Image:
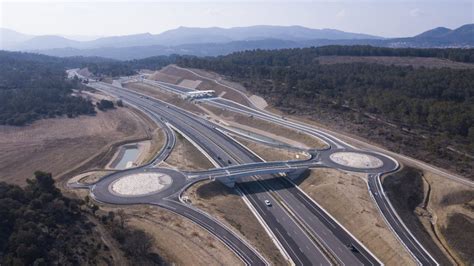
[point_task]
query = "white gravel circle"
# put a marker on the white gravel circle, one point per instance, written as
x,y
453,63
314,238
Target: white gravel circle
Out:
x,y
140,184
356,160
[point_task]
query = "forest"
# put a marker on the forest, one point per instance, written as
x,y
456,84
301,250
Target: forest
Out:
x,y
439,102
127,68
114,68
438,99
34,87
39,226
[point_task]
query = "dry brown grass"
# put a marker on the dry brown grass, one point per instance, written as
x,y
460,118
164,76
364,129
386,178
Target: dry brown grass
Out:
x,y
269,153
226,205
59,145
394,60
284,134
176,239
187,157
346,198
162,95
157,141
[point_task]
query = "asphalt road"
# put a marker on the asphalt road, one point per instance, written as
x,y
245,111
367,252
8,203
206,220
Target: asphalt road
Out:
x,y
287,231
418,252
308,233
306,230
405,236
411,243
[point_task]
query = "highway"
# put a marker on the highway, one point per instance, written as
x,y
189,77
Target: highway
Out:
x,y
308,234
217,145
418,252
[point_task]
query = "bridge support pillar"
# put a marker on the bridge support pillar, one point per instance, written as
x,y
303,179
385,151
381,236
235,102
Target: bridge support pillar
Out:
x,y
227,181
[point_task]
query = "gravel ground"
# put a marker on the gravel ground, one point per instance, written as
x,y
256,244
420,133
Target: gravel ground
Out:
x,y
357,160
140,184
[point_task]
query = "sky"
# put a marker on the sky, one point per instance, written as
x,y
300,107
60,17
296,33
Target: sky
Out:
x,y
386,18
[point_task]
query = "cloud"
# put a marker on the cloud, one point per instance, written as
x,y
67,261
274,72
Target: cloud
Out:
x,y
416,12
341,13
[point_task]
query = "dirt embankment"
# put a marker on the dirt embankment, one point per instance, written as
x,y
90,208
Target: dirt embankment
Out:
x,y
428,204
346,198
206,84
226,205
452,206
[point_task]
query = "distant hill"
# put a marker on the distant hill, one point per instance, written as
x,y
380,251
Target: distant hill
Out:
x,y
438,37
434,33
186,35
220,41
10,38
45,42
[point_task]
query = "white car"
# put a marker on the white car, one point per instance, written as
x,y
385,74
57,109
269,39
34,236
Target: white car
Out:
x,y
268,203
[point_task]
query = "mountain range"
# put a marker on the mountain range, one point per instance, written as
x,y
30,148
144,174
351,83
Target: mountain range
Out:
x,y
217,41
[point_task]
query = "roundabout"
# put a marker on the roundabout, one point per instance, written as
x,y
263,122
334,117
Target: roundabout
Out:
x,y
140,184
356,160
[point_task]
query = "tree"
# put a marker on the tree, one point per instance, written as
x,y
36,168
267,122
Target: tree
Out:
x,y
119,103
104,105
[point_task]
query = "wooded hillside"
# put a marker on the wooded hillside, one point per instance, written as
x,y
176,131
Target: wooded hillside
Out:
x,y
437,105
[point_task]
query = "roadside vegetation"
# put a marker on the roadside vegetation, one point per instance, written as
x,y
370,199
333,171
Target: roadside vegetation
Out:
x,y
104,105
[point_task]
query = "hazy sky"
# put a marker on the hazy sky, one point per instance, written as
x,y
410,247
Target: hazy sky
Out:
x,y
385,18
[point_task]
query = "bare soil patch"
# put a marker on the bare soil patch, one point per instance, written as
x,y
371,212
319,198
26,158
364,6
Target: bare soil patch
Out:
x,y
346,198
160,76
206,84
226,205
191,84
